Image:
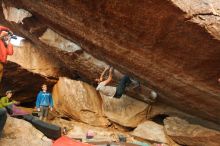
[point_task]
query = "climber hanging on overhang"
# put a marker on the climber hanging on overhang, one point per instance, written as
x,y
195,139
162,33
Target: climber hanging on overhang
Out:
x,y
125,84
118,91
6,48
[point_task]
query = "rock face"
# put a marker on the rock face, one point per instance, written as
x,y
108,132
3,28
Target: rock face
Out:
x,y
55,40
35,60
21,133
79,100
125,111
158,42
185,133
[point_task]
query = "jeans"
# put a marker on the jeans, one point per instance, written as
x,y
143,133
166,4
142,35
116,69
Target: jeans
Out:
x,y
43,111
120,89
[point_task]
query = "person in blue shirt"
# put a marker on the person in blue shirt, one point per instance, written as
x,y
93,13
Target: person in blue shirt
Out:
x,y
44,102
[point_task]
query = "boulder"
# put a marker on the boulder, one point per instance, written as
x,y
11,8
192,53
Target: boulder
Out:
x,y
78,100
185,133
151,131
133,37
159,111
81,101
18,132
125,111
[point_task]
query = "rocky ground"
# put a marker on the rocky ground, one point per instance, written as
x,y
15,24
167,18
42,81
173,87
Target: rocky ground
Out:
x,y
171,46
108,118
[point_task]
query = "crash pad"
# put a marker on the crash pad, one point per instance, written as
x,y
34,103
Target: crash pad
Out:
x,y
13,110
3,118
66,141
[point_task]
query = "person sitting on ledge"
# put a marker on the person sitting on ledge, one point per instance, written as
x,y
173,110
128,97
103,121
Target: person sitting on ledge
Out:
x,y
115,92
11,106
5,101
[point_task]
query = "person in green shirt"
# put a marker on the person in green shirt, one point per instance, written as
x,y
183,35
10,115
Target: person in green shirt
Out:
x,y
5,101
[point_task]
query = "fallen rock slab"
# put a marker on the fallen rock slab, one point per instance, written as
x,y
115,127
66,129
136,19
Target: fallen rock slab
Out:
x,y
125,111
185,133
151,131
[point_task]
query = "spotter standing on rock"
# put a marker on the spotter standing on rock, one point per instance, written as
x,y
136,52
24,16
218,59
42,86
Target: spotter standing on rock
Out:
x,y
44,102
6,48
115,92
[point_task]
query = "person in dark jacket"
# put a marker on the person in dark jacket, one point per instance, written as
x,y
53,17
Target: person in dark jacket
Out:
x,y
44,102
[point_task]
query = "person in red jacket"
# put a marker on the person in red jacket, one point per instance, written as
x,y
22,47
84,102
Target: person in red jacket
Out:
x,y
6,48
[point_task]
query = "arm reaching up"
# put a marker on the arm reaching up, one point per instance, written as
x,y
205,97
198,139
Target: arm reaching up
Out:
x,y
109,76
103,73
100,79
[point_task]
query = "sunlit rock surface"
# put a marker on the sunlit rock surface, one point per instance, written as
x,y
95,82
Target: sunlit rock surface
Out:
x,y
79,101
170,46
154,132
53,39
35,60
21,133
151,131
14,14
82,102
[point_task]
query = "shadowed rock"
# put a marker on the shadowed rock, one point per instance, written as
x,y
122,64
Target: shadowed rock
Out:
x,y
185,133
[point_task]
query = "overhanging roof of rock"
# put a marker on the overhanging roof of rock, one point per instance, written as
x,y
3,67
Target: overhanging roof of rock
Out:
x,y
167,44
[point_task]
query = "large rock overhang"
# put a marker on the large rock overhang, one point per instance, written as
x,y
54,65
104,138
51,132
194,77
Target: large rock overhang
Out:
x,y
158,42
